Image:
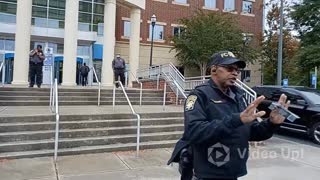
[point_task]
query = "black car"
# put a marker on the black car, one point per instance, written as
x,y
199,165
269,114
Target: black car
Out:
x,y
305,102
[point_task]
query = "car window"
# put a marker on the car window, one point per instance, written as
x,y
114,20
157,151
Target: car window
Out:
x,y
312,96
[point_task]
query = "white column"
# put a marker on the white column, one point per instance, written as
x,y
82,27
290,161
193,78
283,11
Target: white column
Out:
x,y
70,43
22,42
109,42
134,50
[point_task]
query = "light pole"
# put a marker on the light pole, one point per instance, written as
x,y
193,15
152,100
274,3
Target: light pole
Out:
x,y
279,72
153,23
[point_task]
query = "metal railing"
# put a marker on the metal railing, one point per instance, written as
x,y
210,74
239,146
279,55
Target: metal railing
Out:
x,y
2,71
55,108
178,89
132,110
138,83
99,84
173,75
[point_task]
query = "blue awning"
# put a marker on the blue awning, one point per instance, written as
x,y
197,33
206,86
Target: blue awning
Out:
x,y
60,58
9,55
97,50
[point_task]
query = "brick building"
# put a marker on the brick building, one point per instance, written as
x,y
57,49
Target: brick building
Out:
x,y
168,12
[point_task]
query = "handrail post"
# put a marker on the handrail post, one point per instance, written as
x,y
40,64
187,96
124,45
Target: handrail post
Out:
x,y
158,78
177,96
57,122
3,72
99,93
138,135
114,95
164,95
50,87
140,93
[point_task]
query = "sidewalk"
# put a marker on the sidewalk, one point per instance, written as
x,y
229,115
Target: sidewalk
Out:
x,y
278,159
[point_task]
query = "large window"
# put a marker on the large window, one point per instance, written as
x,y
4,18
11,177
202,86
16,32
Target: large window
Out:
x,y
91,15
48,13
8,10
211,4
247,7
126,29
229,5
158,32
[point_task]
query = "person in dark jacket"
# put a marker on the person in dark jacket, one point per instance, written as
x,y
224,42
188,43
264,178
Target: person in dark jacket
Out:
x,y
36,62
84,70
219,123
118,66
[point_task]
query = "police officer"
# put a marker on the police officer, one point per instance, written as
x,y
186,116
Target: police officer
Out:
x,y
118,66
36,62
219,123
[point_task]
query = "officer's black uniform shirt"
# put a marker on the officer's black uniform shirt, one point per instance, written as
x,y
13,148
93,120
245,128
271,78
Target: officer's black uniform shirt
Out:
x,y
218,138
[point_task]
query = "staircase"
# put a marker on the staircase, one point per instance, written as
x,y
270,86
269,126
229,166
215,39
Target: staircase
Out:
x,y
33,136
10,96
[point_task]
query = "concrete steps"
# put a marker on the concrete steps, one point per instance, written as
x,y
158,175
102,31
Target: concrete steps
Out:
x,y
33,136
10,96
89,149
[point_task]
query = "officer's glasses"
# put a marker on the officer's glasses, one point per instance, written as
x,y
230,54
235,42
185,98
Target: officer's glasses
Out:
x,y
231,68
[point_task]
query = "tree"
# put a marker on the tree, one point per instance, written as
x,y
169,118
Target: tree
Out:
x,y
206,34
306,18
270,47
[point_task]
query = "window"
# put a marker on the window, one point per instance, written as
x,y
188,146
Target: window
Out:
x,y
126,28
158,32
210,4
247,7
40,3
61,4
177,31
85,7
181,1
98,8
246,75
229,5
8,8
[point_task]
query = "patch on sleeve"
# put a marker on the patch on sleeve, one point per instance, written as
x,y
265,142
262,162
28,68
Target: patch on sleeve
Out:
x,y
191,100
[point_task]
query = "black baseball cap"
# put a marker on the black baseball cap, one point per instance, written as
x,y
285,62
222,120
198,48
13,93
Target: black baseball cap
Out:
x,y
226,58
39,46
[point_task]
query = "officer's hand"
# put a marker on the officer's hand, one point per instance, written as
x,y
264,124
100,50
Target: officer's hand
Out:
x,y
275,117
249,114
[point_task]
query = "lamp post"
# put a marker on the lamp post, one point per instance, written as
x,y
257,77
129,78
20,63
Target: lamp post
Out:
x,y
153,23
279,72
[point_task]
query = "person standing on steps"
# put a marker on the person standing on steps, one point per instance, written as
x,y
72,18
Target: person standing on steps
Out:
x,y
118,66
35,66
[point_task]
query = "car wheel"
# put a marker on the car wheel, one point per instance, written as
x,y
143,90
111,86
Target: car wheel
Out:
x,y
315,132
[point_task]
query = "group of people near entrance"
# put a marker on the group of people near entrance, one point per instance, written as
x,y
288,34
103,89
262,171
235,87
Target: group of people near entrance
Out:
x,y
36,58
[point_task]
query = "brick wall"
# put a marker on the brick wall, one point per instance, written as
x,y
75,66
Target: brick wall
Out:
x,y
170,13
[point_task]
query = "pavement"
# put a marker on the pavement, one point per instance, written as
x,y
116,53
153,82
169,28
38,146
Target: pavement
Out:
x,y
276,159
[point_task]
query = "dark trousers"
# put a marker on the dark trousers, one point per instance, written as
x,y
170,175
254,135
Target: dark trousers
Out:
x,y
117,73
35,72
84,79
195,178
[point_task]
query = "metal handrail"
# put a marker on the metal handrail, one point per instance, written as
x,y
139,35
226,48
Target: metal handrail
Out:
x,y
1,68
56,104
140,86
132,110
99,84
51,87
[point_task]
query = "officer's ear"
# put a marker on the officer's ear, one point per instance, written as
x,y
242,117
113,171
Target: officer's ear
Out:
x,y
213,69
